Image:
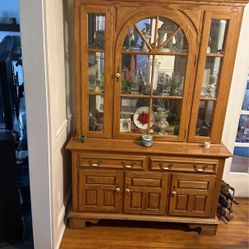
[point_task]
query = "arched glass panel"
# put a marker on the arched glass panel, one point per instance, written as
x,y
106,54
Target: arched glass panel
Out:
x,y
154,59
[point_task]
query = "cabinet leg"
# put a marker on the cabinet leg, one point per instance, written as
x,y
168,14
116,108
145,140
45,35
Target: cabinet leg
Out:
x,y
205,229
77,223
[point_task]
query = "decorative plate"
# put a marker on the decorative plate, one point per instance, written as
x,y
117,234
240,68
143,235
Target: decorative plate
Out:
x,y
141,117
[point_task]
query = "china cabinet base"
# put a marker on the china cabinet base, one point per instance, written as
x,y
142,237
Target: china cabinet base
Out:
x,y
168,182
78,220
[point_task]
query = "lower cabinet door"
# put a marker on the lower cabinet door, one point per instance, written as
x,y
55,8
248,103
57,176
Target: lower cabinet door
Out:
x,y
145,193
100,190
191,195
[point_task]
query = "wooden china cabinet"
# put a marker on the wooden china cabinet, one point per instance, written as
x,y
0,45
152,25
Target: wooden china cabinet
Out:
x,y
160,68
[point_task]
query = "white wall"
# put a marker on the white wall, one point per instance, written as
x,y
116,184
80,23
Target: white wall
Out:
x,y
48,117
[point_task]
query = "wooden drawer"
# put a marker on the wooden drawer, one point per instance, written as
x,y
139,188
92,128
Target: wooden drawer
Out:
x,y
112,161
184,164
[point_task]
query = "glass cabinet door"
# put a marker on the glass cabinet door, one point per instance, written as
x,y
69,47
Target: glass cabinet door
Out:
x,y
95,62
152,87
213,74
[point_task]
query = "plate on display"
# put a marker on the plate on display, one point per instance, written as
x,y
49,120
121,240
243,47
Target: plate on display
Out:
x,y
141,117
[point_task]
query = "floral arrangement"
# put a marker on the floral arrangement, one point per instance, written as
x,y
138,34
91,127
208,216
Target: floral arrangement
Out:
x,y
143,118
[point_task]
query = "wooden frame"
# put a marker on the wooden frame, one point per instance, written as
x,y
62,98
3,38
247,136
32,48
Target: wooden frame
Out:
x,y
225,75
191,37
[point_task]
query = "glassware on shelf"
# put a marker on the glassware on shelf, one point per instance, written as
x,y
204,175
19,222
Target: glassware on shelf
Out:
x,y
166,116
136,74
169,75
211,77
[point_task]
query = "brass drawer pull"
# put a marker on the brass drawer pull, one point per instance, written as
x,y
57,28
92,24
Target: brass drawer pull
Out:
x,y
165,167
128,165
205,165
95,164
173,193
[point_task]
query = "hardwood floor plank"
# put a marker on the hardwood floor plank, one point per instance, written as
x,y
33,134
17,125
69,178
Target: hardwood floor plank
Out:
x,y
153,235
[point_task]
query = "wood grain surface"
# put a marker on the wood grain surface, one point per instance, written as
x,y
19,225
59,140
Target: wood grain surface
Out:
x,y
152,235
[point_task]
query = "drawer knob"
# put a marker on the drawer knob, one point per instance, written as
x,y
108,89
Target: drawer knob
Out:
x,y
117,75
94,164
165,166
204,167
173,193
127,190
118,190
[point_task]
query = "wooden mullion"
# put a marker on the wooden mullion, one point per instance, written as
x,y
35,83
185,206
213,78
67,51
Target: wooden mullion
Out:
x,y
151,91
84,71
169,39
143,38
155,34
199,77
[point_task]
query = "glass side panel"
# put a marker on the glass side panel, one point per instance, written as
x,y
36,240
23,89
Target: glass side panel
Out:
x,y
96,67
165,29
96,112
147,27
96,31
217,36
134,116
240,162
136,74
205,116
243,129
169,75
245,105
211,77
134,42
166,116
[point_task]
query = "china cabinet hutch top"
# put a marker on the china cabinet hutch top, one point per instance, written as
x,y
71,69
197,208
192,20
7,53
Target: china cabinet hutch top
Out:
x,y
161,68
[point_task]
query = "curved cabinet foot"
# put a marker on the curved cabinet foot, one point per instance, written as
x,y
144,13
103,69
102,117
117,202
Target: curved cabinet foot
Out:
x,y
206,229
78,223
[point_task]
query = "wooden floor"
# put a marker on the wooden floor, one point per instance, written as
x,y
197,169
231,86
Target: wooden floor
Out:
x,y
151,235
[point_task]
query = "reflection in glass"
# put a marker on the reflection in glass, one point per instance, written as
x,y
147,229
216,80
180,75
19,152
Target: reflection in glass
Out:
x,y
177,44
169,73
166,116
134,42
245,105
96,62
243,129
240,161
165,29
217,36
136,74
96,31
147,27
204,122
96,113
211,76
134,115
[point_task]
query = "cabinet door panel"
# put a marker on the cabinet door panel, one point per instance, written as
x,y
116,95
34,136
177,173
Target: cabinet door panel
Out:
x,y
100,190
191,195
145,193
